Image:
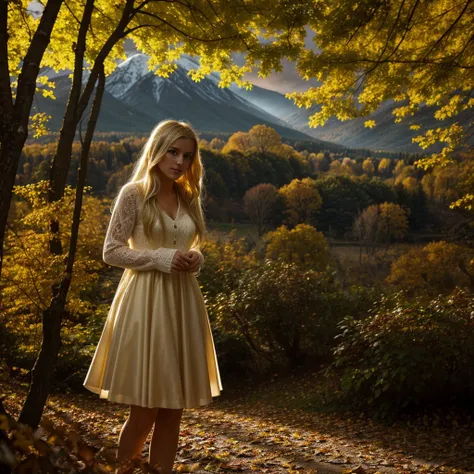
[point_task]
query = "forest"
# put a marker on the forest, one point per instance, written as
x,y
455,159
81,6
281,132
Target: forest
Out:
x,y
338,281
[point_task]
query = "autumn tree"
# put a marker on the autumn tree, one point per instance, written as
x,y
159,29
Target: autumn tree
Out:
x,y
406,172
23,42
259,138
302,245
239,141
119,178
259,204
348,166
302,201
428,185
398,167
378,224
321,162
393,221
30,271
216,144
446,183
411,184
265,139
384,167
368,167
288,152
435,269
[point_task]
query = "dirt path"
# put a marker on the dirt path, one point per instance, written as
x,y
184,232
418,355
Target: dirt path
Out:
x,y
236,433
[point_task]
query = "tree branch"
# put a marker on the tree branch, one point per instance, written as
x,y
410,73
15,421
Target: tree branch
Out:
x,y
187,35
446,33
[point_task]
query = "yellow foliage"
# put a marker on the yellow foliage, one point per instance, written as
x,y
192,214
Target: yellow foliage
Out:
x,y
261,139
211,31
30,271
264,138
239,141
38,123
436,268
393,220
368,166
302,245
369,124
384,166
302,200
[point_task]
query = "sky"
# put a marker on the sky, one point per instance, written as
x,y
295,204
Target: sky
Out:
x,y
286,81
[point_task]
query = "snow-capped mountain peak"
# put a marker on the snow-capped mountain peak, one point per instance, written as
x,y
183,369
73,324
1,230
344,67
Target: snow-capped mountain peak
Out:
x,y
127,74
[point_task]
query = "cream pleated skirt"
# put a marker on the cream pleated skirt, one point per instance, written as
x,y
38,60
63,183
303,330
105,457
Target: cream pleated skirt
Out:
x,y
156,348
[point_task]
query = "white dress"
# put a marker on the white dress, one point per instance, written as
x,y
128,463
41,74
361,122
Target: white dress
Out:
x,y
156,348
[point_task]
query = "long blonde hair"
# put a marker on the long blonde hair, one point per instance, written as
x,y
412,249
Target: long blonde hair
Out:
x,y
189,185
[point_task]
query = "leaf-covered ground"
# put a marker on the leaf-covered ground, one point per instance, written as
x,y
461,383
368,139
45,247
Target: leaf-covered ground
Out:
x,y
274,427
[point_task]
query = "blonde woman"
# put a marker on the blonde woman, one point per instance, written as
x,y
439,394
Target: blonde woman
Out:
x,y
156,352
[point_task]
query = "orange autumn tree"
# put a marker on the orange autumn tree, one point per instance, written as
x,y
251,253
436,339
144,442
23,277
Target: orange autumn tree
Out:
x,y
260,138
435,269
238,141
302,201
303,245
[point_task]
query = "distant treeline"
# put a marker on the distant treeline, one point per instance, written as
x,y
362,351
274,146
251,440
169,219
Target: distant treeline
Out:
x,y
348,180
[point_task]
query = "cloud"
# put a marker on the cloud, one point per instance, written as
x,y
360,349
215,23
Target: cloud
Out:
x,y
286,81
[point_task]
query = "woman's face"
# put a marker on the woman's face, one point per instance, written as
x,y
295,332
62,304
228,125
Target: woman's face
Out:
x,y
177,158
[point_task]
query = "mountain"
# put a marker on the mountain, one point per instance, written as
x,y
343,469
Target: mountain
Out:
x,y
385,136
272,102
136,99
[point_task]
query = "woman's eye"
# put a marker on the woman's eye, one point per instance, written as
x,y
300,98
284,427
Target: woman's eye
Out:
x,y
173,152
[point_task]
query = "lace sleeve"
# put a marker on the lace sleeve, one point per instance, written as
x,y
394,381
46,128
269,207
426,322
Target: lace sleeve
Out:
x,y
117,252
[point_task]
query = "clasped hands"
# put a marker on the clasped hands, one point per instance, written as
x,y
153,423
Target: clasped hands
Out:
x,y
185,262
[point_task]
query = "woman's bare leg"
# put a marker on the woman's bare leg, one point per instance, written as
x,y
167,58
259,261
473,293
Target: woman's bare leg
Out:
x,y
135,431
164,442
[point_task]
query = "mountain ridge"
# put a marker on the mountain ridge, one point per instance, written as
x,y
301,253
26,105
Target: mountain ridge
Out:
x,y
135,99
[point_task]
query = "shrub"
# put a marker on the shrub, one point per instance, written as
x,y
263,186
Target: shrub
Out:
x,y
30,271
286,314
407,355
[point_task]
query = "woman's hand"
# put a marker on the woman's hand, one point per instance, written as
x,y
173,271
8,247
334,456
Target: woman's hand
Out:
x,y
195,261
181,262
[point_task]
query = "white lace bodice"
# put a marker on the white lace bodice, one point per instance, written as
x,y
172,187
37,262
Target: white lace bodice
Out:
x,y
126,245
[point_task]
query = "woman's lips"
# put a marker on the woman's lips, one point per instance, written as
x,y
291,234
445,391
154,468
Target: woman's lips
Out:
x,y
175,170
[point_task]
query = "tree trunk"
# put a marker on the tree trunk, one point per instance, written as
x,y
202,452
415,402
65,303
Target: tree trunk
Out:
x,y
68,129
14,118
10,152
76,106
43,369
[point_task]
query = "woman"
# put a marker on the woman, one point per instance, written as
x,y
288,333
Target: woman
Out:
x,y
156,352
